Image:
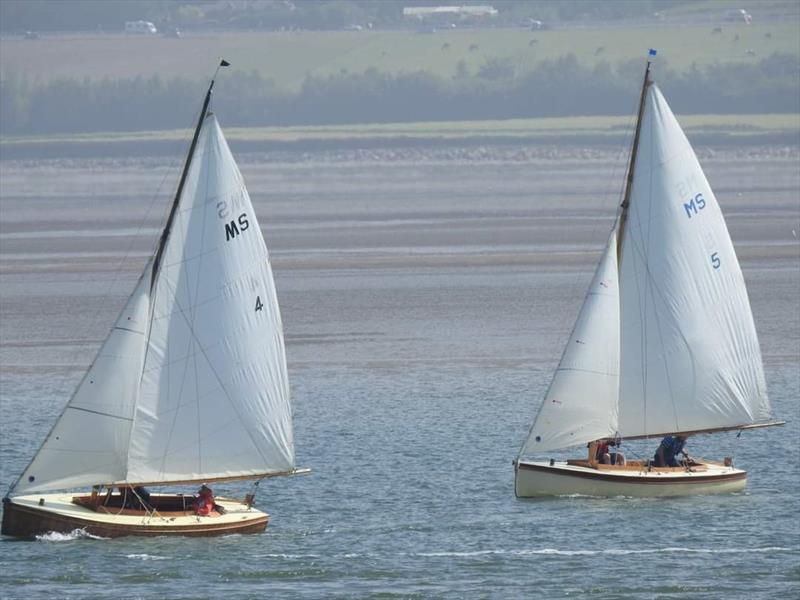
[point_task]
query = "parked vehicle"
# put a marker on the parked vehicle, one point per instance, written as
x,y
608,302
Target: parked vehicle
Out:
x,y
140,27
739,15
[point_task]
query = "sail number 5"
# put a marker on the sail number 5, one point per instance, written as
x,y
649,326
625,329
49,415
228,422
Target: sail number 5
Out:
x,y
715,262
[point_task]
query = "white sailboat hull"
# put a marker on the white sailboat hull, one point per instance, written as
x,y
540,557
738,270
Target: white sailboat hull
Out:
x,y
538,479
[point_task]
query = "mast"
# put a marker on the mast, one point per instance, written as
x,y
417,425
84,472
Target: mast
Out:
x,y
162,242
623,216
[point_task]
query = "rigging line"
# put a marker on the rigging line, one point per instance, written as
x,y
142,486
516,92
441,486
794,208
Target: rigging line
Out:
x,y
211,150
190,356
648,275
587,371
574,285
656,291
177,409
149,510
643,249
636,249
116,272
625,209
156,258
655,162
628,144
165,234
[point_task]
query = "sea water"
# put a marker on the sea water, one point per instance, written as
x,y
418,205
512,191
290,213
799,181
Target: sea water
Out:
x,y
425,306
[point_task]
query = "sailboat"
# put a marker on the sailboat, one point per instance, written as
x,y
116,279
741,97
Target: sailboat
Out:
x,y
190,387
664,343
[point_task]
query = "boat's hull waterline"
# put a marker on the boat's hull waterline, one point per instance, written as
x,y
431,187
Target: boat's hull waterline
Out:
x,y
33,515
540,479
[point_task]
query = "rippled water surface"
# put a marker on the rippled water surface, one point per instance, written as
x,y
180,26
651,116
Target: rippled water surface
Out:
x,y
425,307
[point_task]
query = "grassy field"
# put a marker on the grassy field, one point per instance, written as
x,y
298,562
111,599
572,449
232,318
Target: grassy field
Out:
x,y
596,127
289,57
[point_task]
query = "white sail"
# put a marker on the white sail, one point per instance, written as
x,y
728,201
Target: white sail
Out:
x,y
689,358
214,399
581,403
191,383
89,442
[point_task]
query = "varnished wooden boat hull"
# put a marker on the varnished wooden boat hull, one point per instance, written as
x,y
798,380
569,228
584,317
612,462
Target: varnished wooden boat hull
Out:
x,y
537,479
24,517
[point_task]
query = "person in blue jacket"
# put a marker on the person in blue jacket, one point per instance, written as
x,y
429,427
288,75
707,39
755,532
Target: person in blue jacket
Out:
x,y
667,453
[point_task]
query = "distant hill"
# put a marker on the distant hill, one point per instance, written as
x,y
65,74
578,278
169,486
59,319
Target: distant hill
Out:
x,y
70,83
260,15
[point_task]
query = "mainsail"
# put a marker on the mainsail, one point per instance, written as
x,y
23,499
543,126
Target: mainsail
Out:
x,y
684,336
689,351
191,384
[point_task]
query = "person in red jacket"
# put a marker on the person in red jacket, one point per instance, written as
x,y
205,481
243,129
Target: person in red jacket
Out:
x,y
600,452
204,503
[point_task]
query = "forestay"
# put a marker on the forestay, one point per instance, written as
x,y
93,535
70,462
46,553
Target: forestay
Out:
x,y
191,384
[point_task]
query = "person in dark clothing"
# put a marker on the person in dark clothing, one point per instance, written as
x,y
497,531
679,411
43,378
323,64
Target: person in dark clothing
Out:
x,y
667,453
135,497
144,495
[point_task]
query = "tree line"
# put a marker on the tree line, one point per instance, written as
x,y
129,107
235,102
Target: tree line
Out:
x,y
555,88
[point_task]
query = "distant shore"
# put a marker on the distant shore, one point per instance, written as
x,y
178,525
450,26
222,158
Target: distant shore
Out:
x,y
775,130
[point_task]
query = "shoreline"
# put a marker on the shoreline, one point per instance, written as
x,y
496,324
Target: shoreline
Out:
x,y
406,150
602,132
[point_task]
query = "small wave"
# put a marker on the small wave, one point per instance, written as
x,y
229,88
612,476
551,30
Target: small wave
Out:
x,y
75,534
147,557
279,555
615,551
316,556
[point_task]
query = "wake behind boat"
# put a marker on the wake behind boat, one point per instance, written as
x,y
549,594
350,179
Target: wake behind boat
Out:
x,y
189,387
664,343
